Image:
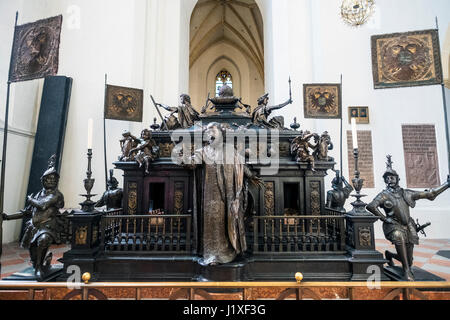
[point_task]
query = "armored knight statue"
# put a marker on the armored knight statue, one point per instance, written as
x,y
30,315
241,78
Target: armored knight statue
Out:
x,y
41,230
224,199
112,198
262,112
147,150
187,115
301,145
398,226
341,191
127,143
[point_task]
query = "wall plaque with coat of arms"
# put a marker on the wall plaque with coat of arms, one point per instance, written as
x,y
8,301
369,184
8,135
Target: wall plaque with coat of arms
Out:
x,y
322,101
123,103
406,59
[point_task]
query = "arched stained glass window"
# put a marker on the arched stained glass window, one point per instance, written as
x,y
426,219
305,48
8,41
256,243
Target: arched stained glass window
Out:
x,y
223,78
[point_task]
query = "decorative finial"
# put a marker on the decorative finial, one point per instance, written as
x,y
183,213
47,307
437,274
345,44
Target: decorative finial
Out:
x,y
299,277
51,161
389,162
155,126
86,277
295,125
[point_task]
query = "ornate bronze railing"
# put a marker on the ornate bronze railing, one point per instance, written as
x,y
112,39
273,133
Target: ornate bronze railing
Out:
x,y
146,233
293,234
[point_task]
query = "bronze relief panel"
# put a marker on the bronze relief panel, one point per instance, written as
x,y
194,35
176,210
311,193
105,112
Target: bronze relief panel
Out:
x,y
132,198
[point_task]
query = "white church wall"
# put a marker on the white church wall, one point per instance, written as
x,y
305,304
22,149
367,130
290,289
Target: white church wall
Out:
x,y
145,44
338,48
23,110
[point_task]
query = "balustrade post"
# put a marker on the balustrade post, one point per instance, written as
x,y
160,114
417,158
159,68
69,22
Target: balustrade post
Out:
x,y
255,234
88,232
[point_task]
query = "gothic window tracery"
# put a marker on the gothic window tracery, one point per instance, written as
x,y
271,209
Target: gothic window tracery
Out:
x,y
223,78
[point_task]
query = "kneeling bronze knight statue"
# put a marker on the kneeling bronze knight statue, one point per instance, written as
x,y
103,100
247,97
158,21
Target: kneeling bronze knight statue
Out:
x,y
41,230
398,226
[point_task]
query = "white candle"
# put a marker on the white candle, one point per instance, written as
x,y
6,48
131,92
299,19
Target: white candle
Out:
x,y
354,134
90,133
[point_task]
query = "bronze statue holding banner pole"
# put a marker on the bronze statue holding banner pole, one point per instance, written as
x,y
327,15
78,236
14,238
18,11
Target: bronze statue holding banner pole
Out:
x,y
164,124
262,112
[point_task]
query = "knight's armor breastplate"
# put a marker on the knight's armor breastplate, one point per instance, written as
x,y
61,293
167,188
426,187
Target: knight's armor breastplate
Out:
x,y
397,208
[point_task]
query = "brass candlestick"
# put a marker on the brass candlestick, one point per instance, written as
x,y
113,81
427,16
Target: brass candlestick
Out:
x,y
88,204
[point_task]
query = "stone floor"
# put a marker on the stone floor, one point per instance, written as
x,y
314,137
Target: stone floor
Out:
x,y
15,259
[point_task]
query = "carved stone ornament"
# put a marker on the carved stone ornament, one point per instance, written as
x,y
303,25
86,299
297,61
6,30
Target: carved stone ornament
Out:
x,y
165,149
269,198
132,198
94,234
179,199
315,198
350,234
81,235
364,236
35,52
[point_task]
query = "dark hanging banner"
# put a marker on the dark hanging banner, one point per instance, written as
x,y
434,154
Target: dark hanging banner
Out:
x,y
35,51
51,128
123,103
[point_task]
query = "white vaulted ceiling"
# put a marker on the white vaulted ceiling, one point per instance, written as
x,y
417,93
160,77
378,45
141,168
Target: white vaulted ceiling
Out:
x,y
234,22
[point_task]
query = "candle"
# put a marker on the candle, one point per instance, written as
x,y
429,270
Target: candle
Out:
x,y
354,134
90,133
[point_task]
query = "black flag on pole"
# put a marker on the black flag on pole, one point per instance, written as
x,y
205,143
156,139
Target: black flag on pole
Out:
x,y
35,52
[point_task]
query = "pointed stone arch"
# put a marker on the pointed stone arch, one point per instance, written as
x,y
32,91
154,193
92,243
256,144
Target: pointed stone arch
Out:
x,y
226,34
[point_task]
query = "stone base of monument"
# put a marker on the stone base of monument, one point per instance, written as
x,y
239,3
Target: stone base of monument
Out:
x,y
28,274
234,271
396,274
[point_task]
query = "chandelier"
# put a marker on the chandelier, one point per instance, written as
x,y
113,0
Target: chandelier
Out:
x,y
357,12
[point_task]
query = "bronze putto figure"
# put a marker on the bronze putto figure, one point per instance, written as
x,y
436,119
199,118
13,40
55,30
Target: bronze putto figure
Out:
x,y
147,150
301,145
127,143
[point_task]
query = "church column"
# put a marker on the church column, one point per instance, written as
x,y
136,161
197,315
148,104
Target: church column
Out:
x,y
288,53
166,74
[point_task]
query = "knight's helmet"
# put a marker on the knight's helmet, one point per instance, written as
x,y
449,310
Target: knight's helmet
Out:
x,y
112,181
51,170
337,181
261,99
389,170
